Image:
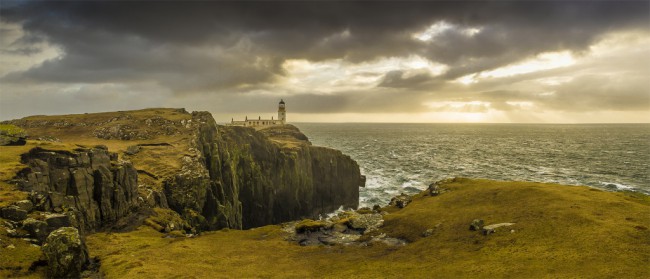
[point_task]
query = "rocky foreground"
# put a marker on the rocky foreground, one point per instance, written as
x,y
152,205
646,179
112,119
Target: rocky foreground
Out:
x,y
177,172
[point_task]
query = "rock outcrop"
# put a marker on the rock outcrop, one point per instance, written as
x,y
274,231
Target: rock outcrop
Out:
x,y
88,184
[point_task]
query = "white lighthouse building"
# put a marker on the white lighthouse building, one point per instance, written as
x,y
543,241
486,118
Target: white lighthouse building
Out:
x,y
259,122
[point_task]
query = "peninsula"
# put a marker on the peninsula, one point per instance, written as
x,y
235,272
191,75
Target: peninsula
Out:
x,y
168,193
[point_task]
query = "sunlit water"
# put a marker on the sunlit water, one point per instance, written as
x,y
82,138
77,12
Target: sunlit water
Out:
x,y
400,158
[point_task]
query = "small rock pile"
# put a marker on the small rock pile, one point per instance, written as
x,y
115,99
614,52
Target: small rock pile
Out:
x,y
23,222
346,228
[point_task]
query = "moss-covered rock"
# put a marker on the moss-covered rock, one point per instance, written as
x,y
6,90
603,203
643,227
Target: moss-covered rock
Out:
x,y
66,253
309,225
12,135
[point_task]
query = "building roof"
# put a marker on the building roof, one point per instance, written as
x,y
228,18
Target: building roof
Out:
x,y
281,101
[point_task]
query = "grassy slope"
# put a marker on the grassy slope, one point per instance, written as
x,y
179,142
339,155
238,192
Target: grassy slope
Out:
x,y
561,231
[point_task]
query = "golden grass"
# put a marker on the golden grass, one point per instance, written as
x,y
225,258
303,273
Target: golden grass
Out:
x,y
560,231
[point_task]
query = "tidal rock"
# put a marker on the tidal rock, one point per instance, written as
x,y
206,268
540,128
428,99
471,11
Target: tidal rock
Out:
x,y
14,213
66,253
476,225
489,229
36,228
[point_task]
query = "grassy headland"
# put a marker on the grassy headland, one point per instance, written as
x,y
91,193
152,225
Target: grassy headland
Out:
x,y
559,231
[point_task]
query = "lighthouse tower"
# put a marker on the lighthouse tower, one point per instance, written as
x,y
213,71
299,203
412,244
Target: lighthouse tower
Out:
x,y
282,114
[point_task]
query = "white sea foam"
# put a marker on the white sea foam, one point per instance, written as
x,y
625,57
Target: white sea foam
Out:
x,y
618,186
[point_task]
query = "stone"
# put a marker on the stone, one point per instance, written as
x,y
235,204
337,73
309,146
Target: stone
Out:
x,y
25,205
366,222
19,233
66,253
433,189
427,233
490,229
339,227
476,225
400,201
36,228
132,150
14,213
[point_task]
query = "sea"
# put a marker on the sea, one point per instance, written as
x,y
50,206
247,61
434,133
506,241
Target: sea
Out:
x,y
406,158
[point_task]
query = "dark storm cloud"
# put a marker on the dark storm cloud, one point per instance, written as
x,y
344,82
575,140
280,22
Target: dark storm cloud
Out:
x,y
201,46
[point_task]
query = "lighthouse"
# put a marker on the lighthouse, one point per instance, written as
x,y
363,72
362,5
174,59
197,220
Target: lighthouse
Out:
x,y
282,113
260,123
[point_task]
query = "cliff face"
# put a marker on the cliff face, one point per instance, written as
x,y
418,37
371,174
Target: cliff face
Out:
x,y
213,176
87,182
252,179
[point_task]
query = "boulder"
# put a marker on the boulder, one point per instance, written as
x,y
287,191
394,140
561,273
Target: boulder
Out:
x,y
476,225
132,150
433,189
66,253
36,228
366,222
400,201
25,205
14,213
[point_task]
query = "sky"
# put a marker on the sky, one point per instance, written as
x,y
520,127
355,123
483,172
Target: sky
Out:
x,y
435,61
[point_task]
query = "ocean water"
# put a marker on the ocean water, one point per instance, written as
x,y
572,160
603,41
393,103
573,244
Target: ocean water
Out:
x,y
406,158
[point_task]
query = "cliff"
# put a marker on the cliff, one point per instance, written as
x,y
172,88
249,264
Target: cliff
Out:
x,y
213,176
238,177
